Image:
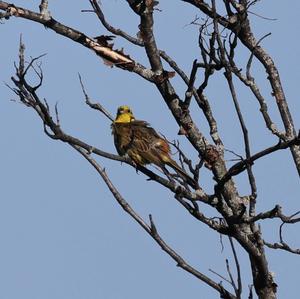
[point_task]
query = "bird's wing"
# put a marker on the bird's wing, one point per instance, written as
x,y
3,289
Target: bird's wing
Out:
x,y
144,137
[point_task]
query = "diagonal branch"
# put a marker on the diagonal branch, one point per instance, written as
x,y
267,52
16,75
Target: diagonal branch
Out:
x,y
250,82
97,9
240,24
201,99
238,269
282,246
276,212
146,28
115,57
28,96
96,106
152,230
228,75
242,165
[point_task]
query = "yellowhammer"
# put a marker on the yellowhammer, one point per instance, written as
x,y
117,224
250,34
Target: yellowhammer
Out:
x,y
141,142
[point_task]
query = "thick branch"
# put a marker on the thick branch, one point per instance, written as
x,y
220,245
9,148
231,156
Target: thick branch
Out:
x,y
201,99
240,24
115,57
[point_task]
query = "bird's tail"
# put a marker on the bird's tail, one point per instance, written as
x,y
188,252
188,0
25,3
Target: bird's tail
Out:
x,y
181,172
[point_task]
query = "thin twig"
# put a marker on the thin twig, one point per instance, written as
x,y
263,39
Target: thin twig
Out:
x,y
228,75
249,77
238,269
96,106
189,92
231,277
221,276
242,165
262,17
98,11
282,246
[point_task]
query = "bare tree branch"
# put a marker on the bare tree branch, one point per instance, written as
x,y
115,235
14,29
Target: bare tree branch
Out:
x,y
241,166
115,57
220,37
282,246
96,106
238,270
240,23
151,230
97,9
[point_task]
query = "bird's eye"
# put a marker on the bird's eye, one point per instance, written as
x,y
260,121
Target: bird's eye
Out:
x,y
129,111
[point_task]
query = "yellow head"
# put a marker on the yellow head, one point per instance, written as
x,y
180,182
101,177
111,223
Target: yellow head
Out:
x,y
124,115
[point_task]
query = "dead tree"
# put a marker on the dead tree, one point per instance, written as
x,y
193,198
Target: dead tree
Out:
x,y
223,30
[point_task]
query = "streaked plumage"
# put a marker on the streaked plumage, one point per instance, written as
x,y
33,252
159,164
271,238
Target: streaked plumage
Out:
x,y
141,142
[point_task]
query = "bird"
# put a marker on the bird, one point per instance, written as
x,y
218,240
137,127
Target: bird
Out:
x,y
138,140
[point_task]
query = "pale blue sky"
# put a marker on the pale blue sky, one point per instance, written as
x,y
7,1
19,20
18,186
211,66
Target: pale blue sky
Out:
x,y
62,234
